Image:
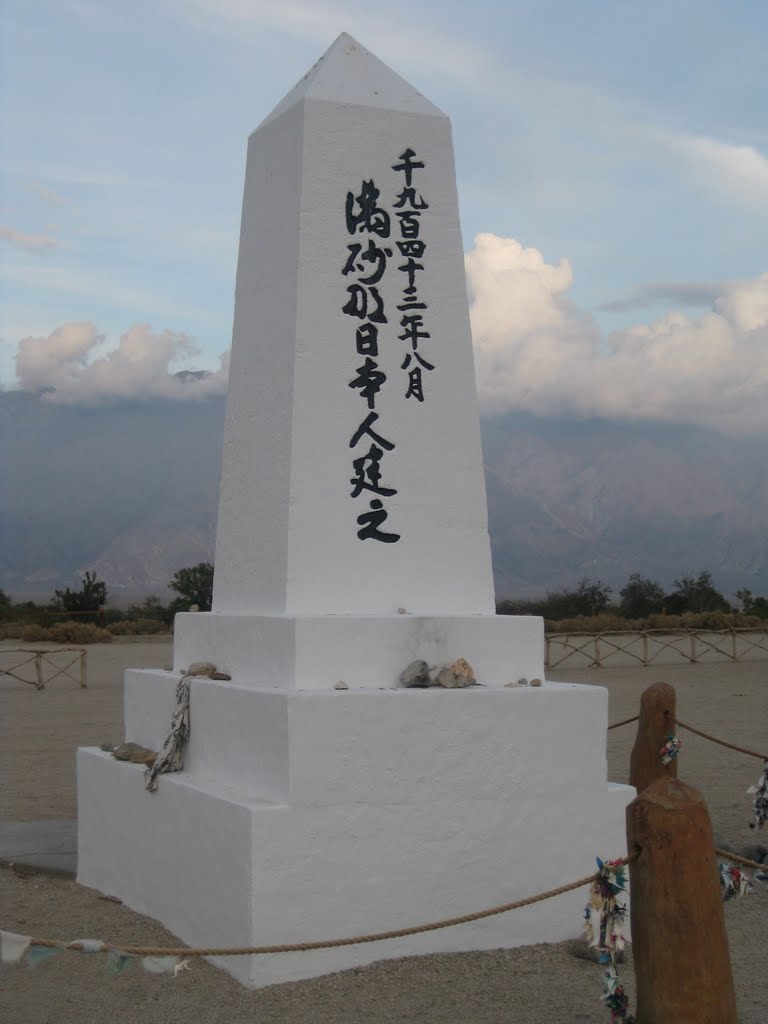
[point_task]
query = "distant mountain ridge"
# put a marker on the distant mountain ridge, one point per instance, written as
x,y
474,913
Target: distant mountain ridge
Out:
x,y
130,490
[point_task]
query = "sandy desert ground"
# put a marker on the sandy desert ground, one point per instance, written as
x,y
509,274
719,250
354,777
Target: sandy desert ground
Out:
x,y
535,984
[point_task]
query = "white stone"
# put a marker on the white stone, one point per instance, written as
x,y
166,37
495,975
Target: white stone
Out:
x,y
301,815
422,804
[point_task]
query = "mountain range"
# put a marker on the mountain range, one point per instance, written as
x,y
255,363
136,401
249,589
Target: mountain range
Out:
x,y
130,490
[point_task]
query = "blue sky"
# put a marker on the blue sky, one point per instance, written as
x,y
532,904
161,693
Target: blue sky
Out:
x,y
629,140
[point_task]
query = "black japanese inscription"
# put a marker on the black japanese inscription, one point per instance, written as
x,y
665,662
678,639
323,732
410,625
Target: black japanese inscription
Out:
x,y
366,428
368,216
367,340
408,165
370,523
369,380
359,301
366,264
368,474
374,255
408,206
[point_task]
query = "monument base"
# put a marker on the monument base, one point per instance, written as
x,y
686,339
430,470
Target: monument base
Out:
x,y
366,651
303,815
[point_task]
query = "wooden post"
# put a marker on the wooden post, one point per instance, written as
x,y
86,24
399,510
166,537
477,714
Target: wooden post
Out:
x,y
657,722
598,654
693,648
682,963
40,684
734,645
83,671
645,649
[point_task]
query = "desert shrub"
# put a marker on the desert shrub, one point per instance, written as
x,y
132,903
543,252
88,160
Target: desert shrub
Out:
x,y
669,622
137,627
32,633
78,633
606,622
11,630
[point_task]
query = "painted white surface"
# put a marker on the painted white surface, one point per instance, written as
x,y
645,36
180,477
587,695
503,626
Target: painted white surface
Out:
x,y
314,652
388,808
383,746
287,532
305,812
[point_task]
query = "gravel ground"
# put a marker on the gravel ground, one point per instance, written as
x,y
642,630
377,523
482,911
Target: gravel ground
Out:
x,y
543,984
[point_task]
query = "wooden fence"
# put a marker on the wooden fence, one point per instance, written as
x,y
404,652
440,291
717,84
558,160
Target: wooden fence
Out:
x,y
595,650
39,667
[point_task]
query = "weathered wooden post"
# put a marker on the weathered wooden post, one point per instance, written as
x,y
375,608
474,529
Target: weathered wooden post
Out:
x,y
657,722
40,684
682,963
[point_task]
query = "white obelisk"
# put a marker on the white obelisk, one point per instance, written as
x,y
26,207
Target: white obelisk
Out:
x,y
351,272
352,540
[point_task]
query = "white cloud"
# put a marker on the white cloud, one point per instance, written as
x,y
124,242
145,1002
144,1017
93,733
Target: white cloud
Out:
x,y
22,240
535,351
141,366
741,172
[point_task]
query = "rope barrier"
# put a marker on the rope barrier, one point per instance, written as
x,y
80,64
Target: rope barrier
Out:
x,y
726,855
723,743
624,721
300,947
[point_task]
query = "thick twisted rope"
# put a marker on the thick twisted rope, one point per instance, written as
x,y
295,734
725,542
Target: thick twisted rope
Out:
x,y
723,743
300,947
624,721
727,855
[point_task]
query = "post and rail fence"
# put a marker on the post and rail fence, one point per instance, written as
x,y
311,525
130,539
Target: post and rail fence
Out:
x,y
596,650
40,666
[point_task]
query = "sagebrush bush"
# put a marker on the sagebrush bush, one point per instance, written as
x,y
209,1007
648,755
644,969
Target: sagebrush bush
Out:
x,y
610,623
78,633
32,633
137,627
11,630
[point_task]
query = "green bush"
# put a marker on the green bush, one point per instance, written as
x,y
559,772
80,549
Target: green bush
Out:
x,y
78,633
137,627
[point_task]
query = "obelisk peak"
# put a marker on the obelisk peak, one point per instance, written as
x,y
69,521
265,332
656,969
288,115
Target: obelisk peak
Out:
x,y
347,73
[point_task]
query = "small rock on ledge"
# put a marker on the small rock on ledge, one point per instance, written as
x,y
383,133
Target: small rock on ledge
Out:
x,y
201,668
415,674
135,753
456,676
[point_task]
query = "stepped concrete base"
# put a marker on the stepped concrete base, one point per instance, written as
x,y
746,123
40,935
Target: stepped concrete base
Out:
x,y
304,815
366,651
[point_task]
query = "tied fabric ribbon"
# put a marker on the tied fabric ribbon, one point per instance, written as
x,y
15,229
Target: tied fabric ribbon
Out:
x,y
604,914
615,997
171,757
13,946
603,921
37,954
733,881
760,792
670,750
165,965
86,945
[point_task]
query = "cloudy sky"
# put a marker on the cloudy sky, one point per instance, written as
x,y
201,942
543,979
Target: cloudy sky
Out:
x,y
612,161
